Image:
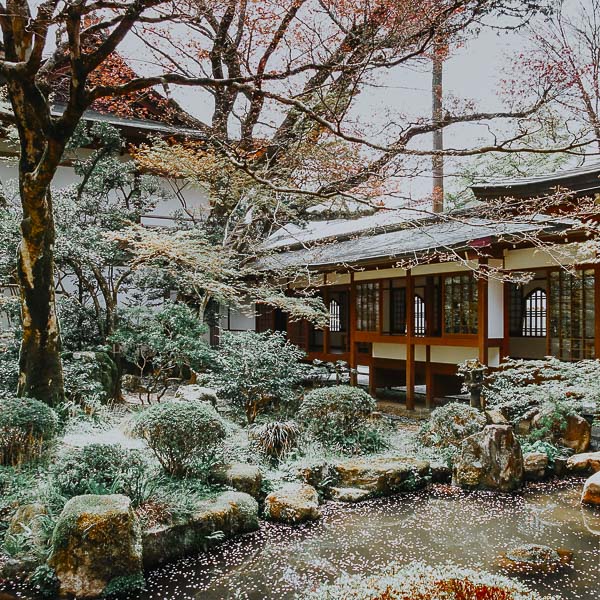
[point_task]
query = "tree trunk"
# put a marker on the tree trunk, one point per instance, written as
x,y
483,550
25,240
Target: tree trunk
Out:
x,y
40,365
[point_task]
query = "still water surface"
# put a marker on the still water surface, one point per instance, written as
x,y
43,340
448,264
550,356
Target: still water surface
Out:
x,y
434,526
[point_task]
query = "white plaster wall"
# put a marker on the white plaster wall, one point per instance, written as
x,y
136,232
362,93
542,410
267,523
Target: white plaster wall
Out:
x,y
452,355
378,274
495,308
533,258
446,267
242,319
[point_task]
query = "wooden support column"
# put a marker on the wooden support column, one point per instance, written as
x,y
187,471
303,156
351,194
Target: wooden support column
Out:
x,y
429,318
410,348
482,318
429,397
352,328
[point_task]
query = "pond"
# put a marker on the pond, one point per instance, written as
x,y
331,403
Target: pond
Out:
x,y
435,526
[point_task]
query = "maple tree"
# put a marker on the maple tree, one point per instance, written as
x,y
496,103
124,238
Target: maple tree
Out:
x,y
282,75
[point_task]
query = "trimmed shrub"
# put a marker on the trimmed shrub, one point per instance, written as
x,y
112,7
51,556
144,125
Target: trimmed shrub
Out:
x,y
25,427
276,438
337,417
178,433
103,469
256,370
422,582
449,425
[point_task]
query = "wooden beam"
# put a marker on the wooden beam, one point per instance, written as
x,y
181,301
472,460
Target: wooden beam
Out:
x,y
410,348
505,348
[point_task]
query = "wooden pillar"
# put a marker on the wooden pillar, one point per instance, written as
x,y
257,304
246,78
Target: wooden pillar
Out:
x,y
429,318
429,397
482,318
352,328
410,348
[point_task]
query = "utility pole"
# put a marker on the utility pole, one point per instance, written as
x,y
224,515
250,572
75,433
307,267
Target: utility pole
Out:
x,y
437,161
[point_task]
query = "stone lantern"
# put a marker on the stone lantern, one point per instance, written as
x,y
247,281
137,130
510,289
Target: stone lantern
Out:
x,y
474,372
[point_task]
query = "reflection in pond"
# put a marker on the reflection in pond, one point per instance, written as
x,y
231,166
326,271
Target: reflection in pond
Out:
x,y
435,526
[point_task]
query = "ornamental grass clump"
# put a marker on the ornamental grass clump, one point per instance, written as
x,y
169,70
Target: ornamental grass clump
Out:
x,y
275,439
422,582
338,416
26,426
181,433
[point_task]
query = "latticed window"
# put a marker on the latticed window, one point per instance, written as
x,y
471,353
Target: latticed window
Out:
x,y
534,313
398,310
460,303
419,315
572,314
335,322
515,310
367,306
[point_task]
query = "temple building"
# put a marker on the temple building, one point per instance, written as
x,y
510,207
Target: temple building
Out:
x,y
406,295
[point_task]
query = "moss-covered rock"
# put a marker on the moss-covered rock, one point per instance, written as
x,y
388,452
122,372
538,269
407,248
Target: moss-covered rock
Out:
x,y
97,541
491,459
293,503
382,476
227,515
242,477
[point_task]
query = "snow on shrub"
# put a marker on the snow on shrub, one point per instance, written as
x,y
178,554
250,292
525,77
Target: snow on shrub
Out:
x,y
422,582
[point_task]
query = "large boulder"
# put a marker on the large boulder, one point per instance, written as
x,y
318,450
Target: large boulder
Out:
x,y
575,433
227,515
293,503
591,490
242,477
588,462
490,460
197,393
535,465
96,546
382,476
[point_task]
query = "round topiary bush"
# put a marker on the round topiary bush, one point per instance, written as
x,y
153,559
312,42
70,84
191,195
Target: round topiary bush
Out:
x,y
337,415
180,432
102,469
449,425
25,427
423,582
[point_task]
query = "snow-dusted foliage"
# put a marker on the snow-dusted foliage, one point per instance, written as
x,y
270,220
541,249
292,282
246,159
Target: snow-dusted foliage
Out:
x,y
521,385
421,582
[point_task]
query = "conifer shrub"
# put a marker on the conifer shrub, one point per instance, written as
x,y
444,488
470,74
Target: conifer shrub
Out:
x,y
26,426
180,433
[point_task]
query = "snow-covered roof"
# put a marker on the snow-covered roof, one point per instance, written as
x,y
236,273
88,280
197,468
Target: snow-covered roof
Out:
x,y
415,238
316,231
581,180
